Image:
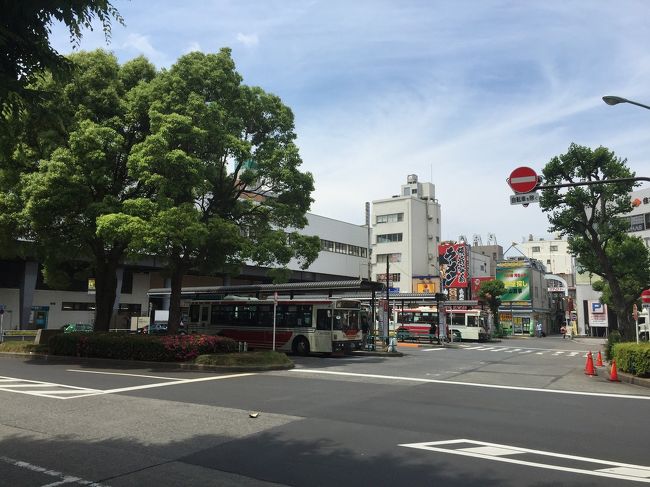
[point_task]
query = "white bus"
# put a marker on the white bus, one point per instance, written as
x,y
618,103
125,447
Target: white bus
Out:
x,y
469,324
465,324
303,325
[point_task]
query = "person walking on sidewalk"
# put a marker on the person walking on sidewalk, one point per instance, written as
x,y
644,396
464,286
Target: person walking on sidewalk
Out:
x,y
539,330
563,331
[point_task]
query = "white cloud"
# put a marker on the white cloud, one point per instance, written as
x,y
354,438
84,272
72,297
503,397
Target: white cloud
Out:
x,y
142,45
194,46
248,40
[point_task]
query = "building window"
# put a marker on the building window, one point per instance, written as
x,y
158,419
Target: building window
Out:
x,y
548,261
390,218
68,306
342,248
389,237
381,258
535,249
553,248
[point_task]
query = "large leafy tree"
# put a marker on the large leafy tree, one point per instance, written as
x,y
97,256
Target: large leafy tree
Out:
x,y
75,168
590,216
223,169
491,292
26,53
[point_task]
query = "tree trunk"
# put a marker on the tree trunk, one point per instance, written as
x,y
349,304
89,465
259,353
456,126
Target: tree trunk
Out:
x,y
106,264
105,284
175,298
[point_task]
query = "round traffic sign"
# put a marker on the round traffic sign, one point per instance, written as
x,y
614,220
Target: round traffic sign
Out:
x,y
523,180
645,296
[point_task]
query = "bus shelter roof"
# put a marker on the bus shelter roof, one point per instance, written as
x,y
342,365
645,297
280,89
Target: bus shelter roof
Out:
x,y
310,288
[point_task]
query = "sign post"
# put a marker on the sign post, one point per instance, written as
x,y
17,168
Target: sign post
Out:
x,y
2,318
635,315
275,312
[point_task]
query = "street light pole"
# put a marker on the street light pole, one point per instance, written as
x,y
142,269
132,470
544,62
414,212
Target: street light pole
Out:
x,y
615,100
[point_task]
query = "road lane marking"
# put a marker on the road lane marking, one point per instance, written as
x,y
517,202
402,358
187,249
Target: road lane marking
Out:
x,y
121,373
503,453
468,384
165,384
87,392
432,349
64,479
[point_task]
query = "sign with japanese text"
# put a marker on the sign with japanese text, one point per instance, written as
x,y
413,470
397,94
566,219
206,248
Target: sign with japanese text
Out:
x,y
454,265
516,281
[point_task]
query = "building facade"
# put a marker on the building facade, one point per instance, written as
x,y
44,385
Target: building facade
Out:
x,y
406,234
30,304
526,301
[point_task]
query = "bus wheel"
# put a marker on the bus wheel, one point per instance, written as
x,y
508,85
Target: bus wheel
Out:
x,y
301,346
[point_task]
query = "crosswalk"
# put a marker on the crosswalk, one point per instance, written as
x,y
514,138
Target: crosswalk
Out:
x,y
44,389
523,351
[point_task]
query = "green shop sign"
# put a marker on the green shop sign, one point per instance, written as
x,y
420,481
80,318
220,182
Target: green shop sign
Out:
x,y
516,281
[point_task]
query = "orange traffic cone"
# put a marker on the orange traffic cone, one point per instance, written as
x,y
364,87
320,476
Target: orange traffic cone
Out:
x,y
589,367
613,376
599,360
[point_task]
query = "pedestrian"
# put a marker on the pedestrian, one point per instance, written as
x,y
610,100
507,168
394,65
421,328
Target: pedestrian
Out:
x,y
365,328
563,331
539,329
433,333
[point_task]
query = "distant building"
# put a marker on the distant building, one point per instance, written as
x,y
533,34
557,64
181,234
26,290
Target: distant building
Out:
x,y
406,233
526,301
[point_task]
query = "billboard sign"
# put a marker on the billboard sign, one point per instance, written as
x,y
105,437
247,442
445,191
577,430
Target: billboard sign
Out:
x,y
516,279
454,265
476,284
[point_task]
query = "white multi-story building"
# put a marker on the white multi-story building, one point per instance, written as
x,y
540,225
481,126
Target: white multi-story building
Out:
x,y
553,253
406,234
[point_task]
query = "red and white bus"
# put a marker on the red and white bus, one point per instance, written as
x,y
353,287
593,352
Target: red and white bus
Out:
x,y
303,325
465,324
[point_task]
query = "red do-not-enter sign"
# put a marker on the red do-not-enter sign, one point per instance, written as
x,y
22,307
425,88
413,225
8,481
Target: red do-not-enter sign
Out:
x,y
645,296
523,180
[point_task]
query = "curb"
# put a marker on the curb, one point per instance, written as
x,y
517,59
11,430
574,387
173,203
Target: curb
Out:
x,y
629,378
145,364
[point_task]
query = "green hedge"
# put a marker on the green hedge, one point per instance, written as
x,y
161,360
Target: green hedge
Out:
x,y
633,358
139,347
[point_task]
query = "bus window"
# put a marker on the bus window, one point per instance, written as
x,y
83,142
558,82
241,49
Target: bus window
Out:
x,y
458,320
472,320
346,320
324,319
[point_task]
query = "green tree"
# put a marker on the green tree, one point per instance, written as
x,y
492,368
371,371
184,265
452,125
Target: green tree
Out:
x,y
590,216
26,54
223,171
631,261
75,169
491,292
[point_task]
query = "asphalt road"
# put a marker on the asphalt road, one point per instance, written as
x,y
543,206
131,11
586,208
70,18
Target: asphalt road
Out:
x,y
521,412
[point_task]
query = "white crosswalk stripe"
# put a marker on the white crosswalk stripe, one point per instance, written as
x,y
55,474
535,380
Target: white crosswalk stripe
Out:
x,y
522,351
43,389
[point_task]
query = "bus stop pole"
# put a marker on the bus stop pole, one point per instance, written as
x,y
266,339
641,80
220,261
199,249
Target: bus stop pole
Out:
x,y
275,309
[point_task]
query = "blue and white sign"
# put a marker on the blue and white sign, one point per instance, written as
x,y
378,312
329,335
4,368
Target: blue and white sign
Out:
x,y
393,290
597,307
597,314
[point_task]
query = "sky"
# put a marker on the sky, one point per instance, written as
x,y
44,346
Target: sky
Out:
x,y
458,92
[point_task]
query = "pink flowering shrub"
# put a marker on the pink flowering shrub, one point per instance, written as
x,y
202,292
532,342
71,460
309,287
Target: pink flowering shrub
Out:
x,y
139,347
188,347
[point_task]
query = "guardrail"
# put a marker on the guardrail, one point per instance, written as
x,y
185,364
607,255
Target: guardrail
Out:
x,y
17,335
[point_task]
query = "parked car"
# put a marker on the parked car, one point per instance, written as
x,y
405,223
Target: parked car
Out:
x,y
78,327
160,328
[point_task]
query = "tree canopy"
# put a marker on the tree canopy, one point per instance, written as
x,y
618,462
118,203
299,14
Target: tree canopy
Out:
x,y
591,218
189,165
